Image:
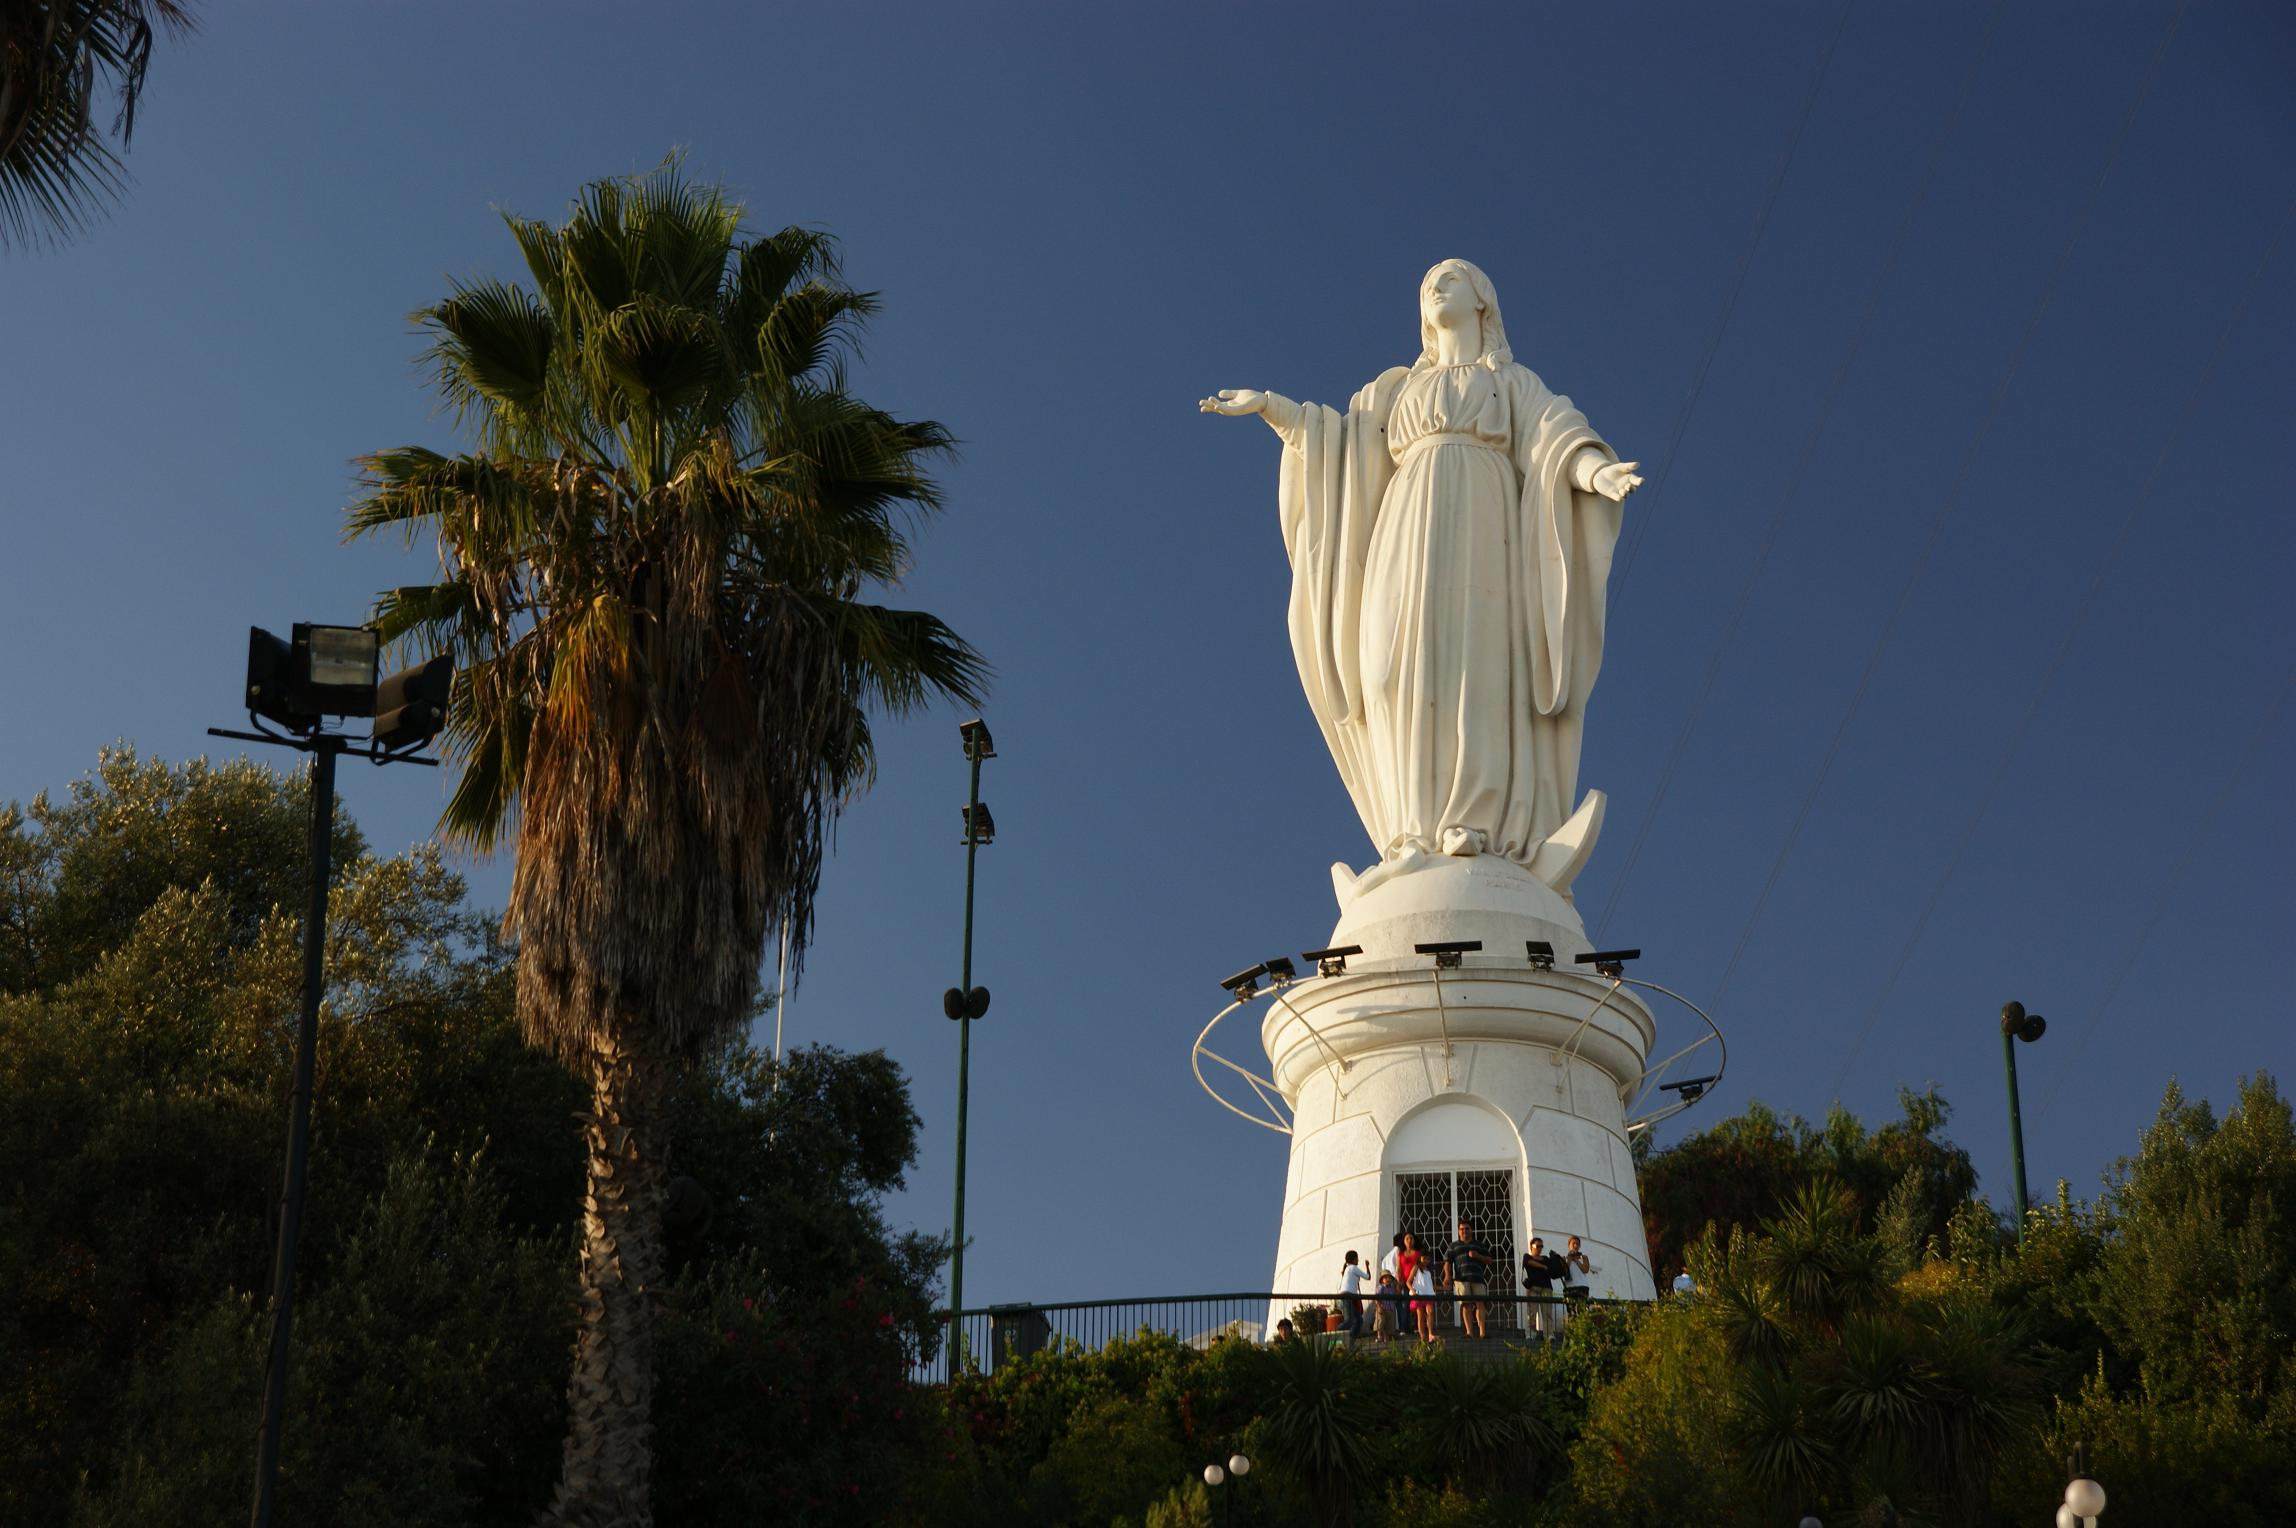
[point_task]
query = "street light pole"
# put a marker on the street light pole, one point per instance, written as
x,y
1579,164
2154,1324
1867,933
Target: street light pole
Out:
x,y
2017,1024
324,749
324,671
965,1002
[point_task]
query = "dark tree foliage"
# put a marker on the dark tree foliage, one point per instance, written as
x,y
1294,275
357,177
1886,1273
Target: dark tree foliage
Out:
x,y
153,922
1745,1171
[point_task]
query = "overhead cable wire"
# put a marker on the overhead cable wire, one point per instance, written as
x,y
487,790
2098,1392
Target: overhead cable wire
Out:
x,y
1718,650
1722,322
2170,887
1920,563
2170,445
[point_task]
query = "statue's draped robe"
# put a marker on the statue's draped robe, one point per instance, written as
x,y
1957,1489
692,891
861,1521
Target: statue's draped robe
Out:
x,y
1447,601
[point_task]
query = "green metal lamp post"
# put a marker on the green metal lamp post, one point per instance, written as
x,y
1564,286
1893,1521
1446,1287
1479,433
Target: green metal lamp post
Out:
x,y
967,1002
2017,1024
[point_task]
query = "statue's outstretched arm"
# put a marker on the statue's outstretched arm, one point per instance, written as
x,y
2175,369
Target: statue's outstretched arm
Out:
x,y
1281,413
1592,471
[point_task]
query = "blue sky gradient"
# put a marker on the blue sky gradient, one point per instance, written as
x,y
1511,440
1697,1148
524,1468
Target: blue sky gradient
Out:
x,y
2007,384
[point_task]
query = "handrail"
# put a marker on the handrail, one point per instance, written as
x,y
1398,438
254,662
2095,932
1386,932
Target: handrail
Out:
x,y
1442,1295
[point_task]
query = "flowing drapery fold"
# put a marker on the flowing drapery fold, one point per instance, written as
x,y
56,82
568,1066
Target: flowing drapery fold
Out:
x,y
1456,728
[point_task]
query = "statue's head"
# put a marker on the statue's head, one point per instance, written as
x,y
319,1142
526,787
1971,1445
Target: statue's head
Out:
x,y
1450,295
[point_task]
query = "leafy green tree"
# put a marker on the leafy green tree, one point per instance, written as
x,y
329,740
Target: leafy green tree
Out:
x,y
654,560
2198,1278
1746,1170
1800,1377
56,169
143,1064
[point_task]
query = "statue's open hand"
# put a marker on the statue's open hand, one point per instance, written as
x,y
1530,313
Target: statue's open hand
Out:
x,y
1233,402
1616,480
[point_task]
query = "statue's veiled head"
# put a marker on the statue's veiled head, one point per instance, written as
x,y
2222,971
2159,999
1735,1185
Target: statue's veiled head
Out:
x,y
1446,294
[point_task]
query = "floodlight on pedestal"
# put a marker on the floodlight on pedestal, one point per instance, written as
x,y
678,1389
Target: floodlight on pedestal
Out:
x,y
980,827
1332,962
978,743
1610,963
1245,984
1542,954
1448,951
1280,970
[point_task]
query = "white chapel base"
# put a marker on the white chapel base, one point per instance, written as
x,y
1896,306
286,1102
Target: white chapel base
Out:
x,y
1402,1078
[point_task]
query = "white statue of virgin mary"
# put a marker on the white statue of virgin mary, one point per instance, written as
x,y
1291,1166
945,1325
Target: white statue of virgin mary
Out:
x,y
1450,535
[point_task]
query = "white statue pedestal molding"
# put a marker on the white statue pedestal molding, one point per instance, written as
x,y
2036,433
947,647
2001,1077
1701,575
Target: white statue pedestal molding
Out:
x,y
1492,1090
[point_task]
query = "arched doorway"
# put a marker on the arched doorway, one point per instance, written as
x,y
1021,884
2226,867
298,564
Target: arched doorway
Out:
x,y
1457,1158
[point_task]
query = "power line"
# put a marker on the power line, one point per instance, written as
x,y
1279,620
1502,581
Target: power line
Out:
x,y
2170,887
1952,497
1809,451
1722,323
2169,447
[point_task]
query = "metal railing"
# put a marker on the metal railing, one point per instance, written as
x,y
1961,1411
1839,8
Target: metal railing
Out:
x,y
983,1339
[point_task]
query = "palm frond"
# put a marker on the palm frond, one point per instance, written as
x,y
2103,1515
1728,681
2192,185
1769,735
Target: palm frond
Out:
x,y
55,172
651,571
493,349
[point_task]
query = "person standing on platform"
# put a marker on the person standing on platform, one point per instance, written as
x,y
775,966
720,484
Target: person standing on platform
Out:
x,y
1417,1278
1470,1262
1351,1295
1393,1289
1541,1270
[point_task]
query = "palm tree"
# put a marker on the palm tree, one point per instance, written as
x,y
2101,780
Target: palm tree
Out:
x,y
54,168
652,569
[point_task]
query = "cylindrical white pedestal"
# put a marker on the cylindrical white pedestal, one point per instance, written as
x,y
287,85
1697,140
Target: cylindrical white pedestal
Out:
x,y
1497,1084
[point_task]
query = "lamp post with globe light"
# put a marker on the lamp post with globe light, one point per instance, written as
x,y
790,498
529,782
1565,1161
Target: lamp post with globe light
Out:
x,y
967,1002
1214,1476
2017,1024
2084,1498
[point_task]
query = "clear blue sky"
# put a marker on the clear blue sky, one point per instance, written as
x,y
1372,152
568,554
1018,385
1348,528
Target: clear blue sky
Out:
x,y
1082,219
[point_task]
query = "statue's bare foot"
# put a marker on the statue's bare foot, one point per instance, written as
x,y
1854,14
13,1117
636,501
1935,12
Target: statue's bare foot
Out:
x,y
1465,843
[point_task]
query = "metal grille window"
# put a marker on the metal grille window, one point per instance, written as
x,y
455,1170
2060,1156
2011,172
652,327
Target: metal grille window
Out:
x,y
1430,1206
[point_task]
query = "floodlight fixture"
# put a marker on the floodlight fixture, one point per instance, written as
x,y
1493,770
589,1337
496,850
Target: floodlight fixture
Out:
x,y
1610,963
2025,1026
1280,970
410,706
1245,984
320,671
336,668
1692,1089
1448,951
980,827
978,743
1332,962
1542,954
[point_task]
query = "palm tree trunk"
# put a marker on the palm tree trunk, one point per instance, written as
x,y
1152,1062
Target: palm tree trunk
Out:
x,y
609,1463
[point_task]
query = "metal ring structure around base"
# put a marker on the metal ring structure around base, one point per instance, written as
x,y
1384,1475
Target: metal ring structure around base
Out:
x,y
1637,1096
